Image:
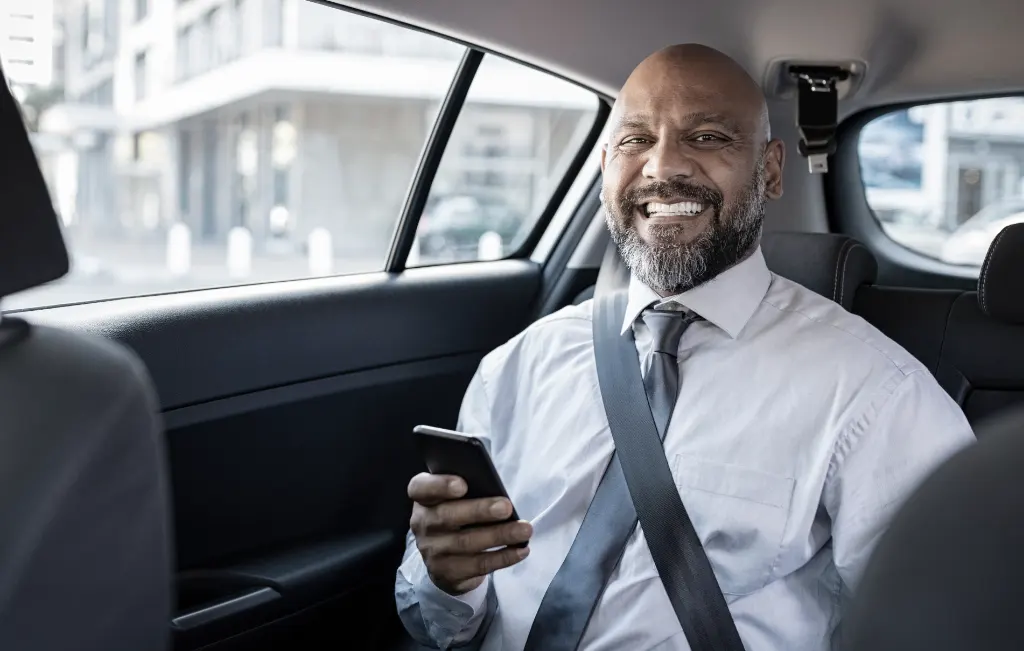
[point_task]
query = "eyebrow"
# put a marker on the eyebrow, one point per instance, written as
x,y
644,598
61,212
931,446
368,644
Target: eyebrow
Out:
x,y
643,120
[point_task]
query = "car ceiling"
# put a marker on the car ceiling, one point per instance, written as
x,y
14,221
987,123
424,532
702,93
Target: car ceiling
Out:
x,y
913,49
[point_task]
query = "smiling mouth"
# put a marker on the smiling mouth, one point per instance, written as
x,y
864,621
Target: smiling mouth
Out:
x,y
678,209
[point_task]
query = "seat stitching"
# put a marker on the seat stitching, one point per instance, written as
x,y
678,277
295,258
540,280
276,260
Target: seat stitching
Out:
x,y
835,282
982,295
842,284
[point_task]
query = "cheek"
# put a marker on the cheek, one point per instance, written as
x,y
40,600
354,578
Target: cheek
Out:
x,y
619,173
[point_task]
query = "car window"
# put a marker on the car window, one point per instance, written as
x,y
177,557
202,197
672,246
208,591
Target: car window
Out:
x,y
512,143
260,141
943,179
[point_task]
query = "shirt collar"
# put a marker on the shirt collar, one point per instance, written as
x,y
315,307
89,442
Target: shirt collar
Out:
x,y
728,300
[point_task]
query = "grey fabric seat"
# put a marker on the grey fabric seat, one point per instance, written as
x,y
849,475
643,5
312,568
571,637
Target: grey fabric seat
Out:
x,y
85,545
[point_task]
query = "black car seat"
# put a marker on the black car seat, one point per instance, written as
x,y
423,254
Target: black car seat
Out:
x,y
85,546
982,360
948,574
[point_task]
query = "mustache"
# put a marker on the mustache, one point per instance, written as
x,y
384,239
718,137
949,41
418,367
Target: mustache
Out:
x,y
633,197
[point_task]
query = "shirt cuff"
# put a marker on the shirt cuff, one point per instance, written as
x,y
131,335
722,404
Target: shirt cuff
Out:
x,y
438,605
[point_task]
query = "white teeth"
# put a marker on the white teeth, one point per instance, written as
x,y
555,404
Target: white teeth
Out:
x,y
681,208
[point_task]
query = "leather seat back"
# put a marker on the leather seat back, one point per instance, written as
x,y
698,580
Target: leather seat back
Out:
x,y
85,545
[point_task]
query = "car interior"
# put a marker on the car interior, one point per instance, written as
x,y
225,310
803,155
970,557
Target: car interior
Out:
x,y
287,406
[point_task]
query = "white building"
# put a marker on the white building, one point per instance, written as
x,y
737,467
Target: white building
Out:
x,y
27,43
283,116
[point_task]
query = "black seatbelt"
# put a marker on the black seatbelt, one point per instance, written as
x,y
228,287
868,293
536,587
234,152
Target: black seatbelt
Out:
x,y
678,554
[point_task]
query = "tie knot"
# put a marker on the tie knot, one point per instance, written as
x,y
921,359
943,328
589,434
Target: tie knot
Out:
x,y
667,328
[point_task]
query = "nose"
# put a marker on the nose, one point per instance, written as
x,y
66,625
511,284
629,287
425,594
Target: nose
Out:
x,y
666,161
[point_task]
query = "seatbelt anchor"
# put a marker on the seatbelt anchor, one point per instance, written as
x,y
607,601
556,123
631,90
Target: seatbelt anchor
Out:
x,y
817,112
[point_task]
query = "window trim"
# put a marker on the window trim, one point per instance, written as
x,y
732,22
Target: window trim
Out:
x,y
849,212
430,161
444,124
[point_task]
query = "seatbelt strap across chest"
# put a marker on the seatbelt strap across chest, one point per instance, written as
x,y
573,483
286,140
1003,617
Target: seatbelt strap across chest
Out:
x,y
678,554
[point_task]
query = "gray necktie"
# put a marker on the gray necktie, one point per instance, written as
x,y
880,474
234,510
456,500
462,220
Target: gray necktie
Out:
x,y
574,592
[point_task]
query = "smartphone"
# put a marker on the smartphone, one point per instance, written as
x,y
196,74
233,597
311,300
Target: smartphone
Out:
x,y
451,453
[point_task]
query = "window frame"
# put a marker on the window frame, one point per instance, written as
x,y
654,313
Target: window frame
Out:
x,y
437,141
849,212
430,158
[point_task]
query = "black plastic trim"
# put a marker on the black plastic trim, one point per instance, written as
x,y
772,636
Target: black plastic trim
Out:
x,y
430,160
217,409
221,610
206,345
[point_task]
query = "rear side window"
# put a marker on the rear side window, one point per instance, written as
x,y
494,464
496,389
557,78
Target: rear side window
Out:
x,y
943,179
245,147
511,145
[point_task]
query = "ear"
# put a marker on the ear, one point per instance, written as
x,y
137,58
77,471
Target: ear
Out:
x,y
774,162
604,156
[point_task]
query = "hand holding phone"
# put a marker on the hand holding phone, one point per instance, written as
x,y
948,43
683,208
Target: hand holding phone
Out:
x,y
464,523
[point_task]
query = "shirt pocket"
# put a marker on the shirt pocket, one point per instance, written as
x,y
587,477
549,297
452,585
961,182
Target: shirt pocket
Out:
x,y
740,515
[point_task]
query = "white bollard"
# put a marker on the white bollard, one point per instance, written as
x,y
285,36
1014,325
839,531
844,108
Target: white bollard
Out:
x,y
179,249
414,254
489,247
321,252
239,252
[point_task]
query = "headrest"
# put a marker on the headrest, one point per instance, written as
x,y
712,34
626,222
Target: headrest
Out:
x,y
831,265
947,574
32,248
1001,282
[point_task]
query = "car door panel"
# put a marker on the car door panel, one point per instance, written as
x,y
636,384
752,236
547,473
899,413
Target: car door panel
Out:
x,y
288,409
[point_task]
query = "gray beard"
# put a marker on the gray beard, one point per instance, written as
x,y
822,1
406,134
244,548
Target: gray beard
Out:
x,y
670,268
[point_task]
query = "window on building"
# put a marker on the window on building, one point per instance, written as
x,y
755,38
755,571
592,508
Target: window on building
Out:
x,y
224,35
95,31
943,179
301,165
182,53
184,174
513,142
140,77
201,45
273,23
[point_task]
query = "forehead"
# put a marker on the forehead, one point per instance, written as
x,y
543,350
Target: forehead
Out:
x,y
683,95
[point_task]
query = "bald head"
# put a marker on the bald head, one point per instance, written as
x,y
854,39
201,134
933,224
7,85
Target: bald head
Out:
x,y
688,166
706,71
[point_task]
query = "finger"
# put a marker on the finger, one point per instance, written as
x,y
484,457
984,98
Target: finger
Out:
x,y
428,489
460,513
462,568
473,541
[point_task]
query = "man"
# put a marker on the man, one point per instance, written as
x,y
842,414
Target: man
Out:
x,y
797,427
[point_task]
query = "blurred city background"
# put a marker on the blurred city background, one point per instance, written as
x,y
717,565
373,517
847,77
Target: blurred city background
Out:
x,y
198,143
203,143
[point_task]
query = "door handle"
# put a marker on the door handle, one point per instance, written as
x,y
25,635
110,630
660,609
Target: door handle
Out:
x,y
233,605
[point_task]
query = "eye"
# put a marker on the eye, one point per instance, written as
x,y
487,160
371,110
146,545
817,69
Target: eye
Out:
x,y
635,140
709,138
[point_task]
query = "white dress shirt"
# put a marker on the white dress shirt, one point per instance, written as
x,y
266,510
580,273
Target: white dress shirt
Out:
x,y
799,428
